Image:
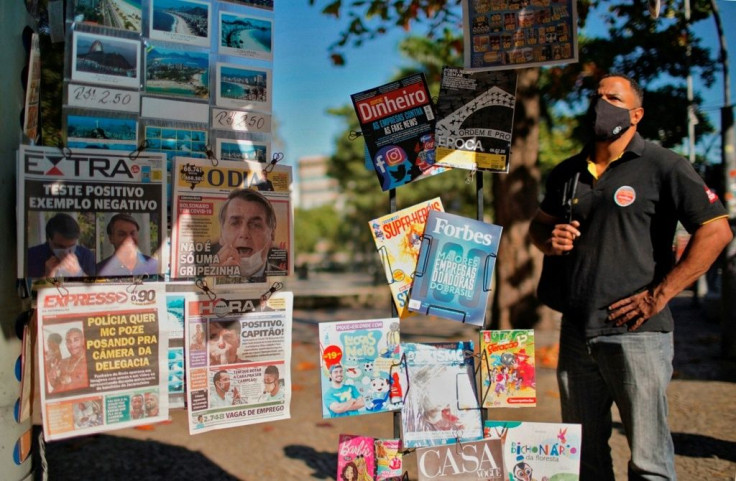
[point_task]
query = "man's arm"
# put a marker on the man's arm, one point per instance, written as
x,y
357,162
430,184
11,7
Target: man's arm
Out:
x,y
551,236
705,245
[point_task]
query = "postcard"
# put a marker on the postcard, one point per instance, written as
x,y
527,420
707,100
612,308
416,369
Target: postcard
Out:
x,y
176,141
243,87
177,72
93,132
106,60
118,14
237,149
265,4
246,36
184,21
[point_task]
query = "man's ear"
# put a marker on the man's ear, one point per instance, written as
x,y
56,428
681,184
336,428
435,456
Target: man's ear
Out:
x,y
636,115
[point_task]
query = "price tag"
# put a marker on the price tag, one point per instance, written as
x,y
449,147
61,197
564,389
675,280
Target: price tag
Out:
x,y
93,97
241,121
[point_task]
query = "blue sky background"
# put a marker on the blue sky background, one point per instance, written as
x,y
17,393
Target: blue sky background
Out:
x,y
306,84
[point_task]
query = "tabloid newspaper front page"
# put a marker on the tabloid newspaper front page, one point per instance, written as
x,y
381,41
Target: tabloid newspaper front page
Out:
x,y
238,352
230,220
102,358
71,205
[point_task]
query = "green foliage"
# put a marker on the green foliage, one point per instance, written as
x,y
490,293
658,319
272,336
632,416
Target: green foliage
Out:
x,y
314,226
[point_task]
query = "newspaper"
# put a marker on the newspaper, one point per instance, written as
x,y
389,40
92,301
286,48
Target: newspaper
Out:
x,y
250,237
69,202
238,352
102,358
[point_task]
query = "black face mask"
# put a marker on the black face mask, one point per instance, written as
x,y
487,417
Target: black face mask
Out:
x,y
607,121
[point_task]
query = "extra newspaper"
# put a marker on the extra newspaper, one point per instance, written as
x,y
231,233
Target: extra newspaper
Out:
x,y
67,202
238,353
102,358
230,220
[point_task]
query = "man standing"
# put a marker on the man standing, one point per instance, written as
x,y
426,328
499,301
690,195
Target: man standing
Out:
x,y
608,220
127,260
341,398
60,255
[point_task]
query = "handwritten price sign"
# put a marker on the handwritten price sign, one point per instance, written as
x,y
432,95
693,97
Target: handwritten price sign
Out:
x,y
241,121
86,96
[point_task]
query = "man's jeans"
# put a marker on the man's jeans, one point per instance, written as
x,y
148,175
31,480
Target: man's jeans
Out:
x,y
632,370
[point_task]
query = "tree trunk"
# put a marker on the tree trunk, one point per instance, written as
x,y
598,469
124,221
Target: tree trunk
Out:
x,y
515,200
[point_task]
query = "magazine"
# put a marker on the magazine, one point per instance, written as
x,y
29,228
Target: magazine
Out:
x,y
356,457
77,209
475,119
398,237
538,450
249,237
174,322
238,359
507,370
102,358
441,405
469,461
398,122
361,367
513,35
389,462
455,268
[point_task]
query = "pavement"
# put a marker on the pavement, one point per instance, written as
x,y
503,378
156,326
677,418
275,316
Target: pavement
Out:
x,y
701,395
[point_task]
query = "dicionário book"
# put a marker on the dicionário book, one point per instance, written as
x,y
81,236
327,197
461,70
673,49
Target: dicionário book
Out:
x,y
361,369
508,368
398,237
538,450
441,405
455,268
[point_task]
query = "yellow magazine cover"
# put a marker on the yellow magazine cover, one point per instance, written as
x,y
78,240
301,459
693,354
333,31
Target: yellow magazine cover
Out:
x,y
398,237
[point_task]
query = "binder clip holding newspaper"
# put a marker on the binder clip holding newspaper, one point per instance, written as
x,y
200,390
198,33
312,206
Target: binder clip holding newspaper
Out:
x,y
202,284
275,159
137,152
211,155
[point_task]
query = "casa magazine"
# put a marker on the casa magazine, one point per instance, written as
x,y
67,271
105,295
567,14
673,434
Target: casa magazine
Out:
x,y
455,268
475,117
398,237
441,405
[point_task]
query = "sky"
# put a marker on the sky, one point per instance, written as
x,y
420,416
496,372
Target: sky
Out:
x,y
306,84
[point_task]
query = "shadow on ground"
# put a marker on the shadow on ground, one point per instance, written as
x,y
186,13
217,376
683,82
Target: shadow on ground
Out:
x,y
112,458
323,464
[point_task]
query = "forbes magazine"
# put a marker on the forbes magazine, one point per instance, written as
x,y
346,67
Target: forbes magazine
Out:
x,y
455,268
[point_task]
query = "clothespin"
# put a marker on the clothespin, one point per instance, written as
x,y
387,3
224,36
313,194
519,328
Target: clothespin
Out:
x,y
202,284
211,155
275,159
354,134
58,282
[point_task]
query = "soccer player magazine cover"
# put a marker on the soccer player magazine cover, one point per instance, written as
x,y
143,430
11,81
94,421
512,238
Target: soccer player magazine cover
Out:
x,y
455,268
441,405
507,369
361,367
475,118
398,237
398,122
534,450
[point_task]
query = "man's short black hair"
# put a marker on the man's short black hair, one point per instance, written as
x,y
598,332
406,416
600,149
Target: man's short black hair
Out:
x,y
249,195
638,91
273,370
64,224
124,217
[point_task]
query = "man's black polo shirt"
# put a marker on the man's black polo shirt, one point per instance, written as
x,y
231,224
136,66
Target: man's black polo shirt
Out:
x,y
627,224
